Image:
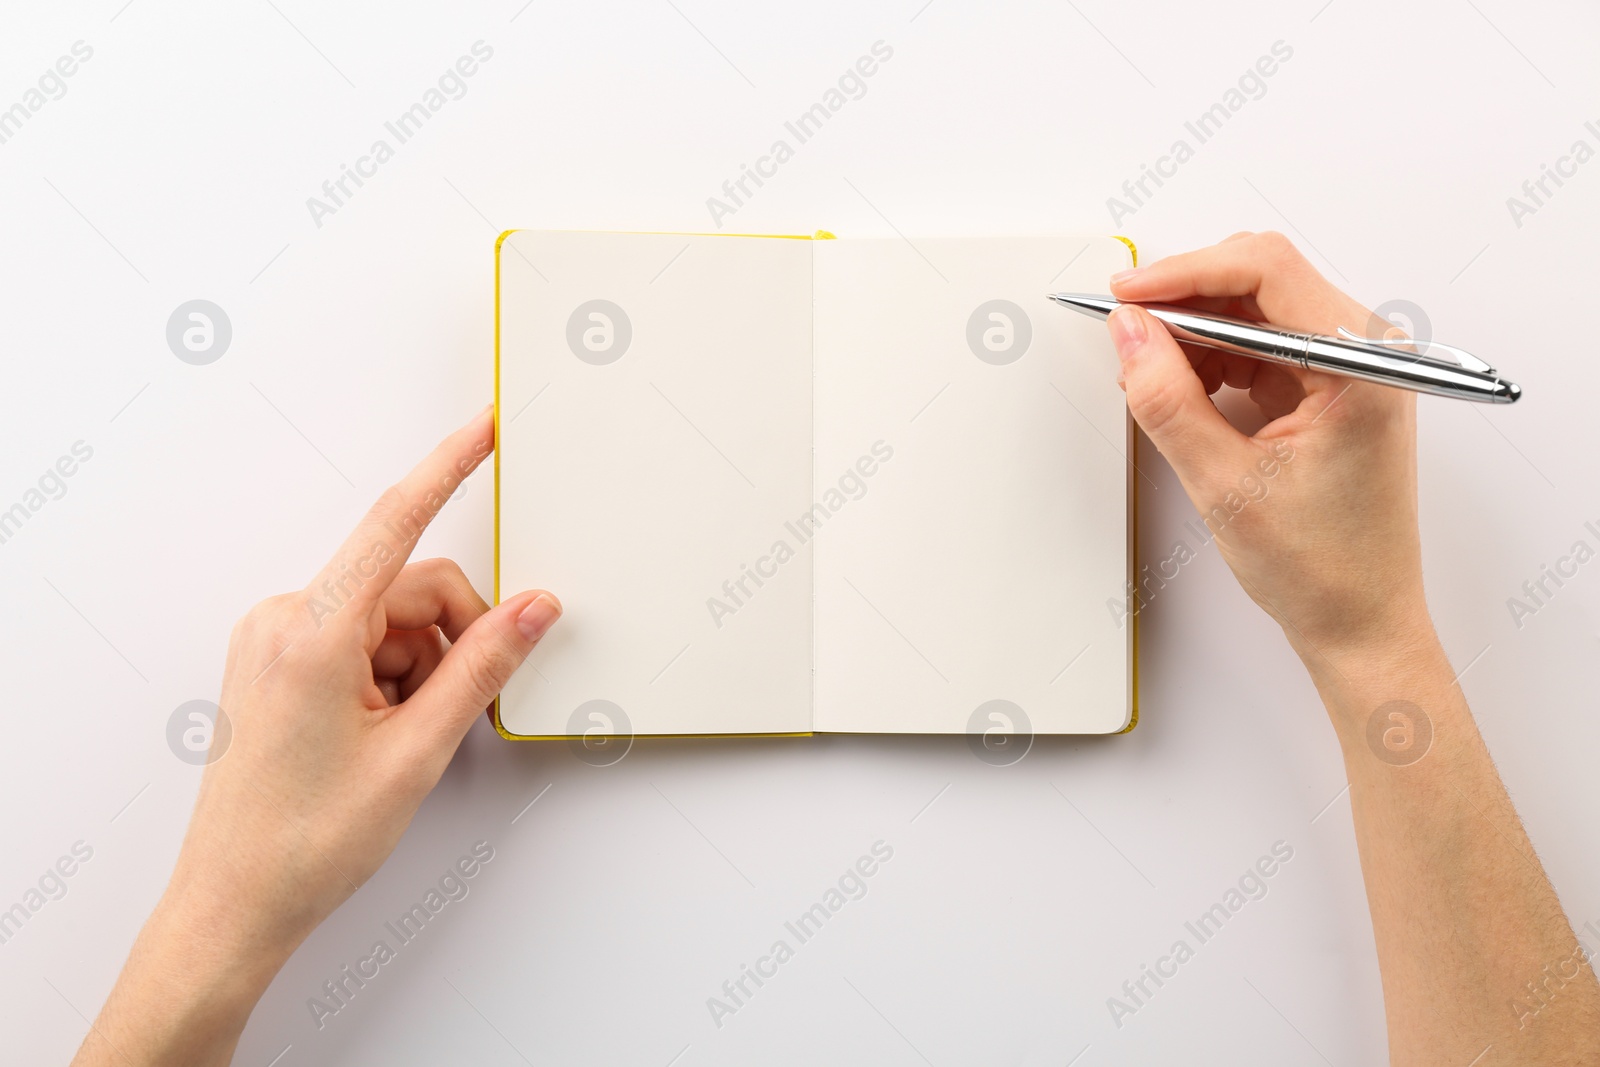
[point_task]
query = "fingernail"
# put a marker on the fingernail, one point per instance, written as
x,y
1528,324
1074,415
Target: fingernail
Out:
x,y
538,616
1126,275
486,409
1127,331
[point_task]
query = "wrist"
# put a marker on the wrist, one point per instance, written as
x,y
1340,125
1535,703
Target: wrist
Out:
x,y
1395,659
244,909
206,938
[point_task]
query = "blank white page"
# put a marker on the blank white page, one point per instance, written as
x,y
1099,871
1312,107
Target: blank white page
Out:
x,y
978,561
646,458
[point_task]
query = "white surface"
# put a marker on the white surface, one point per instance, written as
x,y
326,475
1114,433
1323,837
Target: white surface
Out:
x,y
1018,899
978,563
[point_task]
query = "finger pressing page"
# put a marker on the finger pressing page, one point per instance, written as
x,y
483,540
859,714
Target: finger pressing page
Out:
x,y
375,553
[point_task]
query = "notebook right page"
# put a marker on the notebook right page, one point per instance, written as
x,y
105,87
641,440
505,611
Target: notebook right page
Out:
x,y
971,464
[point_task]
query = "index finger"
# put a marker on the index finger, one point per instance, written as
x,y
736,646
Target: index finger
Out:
x,y
1267,267
377,550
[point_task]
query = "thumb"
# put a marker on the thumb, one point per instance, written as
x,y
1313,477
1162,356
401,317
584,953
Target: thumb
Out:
x,y
481,662
1167,399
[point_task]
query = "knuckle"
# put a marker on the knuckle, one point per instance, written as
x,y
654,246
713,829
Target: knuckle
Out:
x,y
285,603
264,636
440,569
287,615
264,616
1277,246
453,585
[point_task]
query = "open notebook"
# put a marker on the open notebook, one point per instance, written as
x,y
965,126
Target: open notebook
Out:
x,y
793,485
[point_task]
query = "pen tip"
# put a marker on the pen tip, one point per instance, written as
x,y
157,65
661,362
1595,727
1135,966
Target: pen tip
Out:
x,y
1086,303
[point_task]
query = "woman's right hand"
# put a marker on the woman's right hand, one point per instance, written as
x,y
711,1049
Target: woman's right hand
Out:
x,y
1317,511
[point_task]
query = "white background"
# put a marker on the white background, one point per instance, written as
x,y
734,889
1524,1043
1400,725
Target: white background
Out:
x,y
1018,899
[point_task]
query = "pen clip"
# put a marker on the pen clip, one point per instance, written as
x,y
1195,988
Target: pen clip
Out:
x,y
1463,359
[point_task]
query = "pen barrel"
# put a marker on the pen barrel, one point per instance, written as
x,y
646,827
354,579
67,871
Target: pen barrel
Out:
x,y
1403,369
1391,366
1239,338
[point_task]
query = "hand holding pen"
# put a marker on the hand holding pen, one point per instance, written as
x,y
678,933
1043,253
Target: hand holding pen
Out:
x,y
1335,457
1462,377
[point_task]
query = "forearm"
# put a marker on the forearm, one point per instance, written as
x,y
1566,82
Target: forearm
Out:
x,y
1472,942
187,990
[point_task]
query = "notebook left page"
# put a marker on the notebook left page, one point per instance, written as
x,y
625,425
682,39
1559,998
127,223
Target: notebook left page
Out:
x,y
654,397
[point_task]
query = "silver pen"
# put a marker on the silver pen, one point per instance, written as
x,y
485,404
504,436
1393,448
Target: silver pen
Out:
x,y
1348,355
